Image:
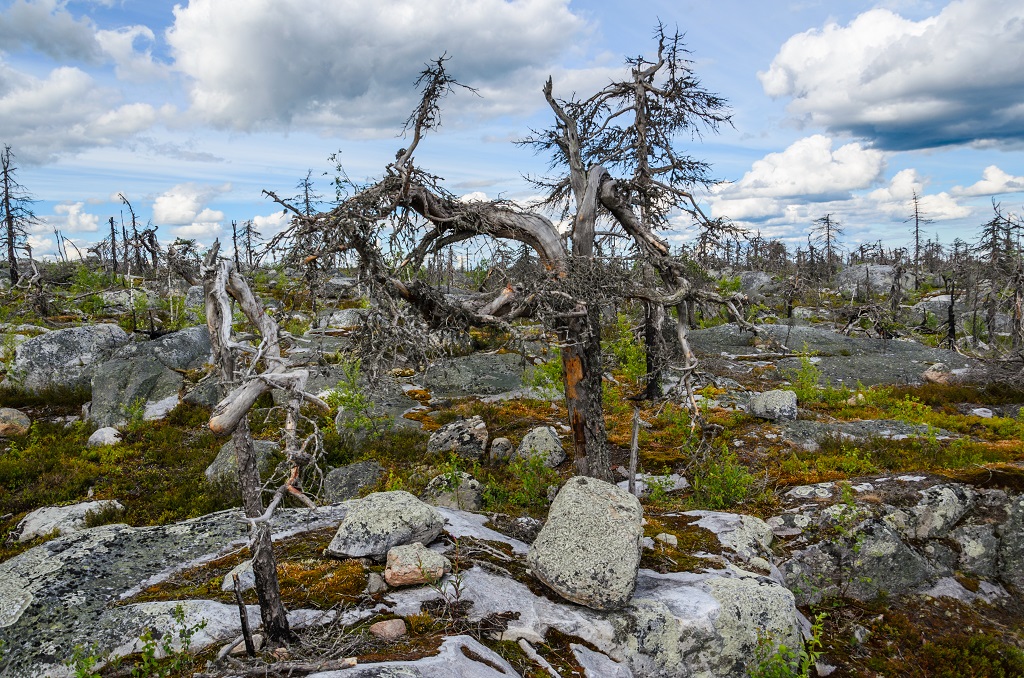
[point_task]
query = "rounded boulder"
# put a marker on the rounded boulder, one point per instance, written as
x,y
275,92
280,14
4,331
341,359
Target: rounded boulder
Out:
x,y
589,549
383,520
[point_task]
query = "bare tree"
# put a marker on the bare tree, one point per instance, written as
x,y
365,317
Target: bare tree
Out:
x,y
17,214
918,220
262,368
825,233
414,217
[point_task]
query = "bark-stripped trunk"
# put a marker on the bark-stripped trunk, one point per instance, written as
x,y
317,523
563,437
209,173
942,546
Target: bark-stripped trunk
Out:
x,y
655,348
275,621
12,231
581,362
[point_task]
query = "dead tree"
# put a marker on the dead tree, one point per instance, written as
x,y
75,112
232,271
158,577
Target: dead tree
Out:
x,y
408,210
260,369
17,214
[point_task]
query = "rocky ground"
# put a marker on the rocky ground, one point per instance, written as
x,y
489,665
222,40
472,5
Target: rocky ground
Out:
x,y
859,500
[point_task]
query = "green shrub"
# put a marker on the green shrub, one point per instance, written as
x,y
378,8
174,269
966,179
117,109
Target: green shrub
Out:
x,y
547,377
628,351
720,480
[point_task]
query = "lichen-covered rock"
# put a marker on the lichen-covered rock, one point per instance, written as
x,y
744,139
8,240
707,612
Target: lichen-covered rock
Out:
x,y
460,656
978,548
501,449
346,482
589,549
941,507
61,519
542,442
777,405
186,349
223,470
1011,547
466,438
414,564
121,384
13,422
64,358
383,520
460,492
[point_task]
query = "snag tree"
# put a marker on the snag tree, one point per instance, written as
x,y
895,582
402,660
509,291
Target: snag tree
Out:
x,y
630,127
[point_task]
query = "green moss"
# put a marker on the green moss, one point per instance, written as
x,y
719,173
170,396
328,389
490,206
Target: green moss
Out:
x,y
696,548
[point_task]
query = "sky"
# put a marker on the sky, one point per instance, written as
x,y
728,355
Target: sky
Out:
x,y
191,109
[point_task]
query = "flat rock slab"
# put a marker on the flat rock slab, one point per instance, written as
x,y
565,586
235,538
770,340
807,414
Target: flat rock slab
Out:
x,y
475,374
458,657
59,594
61,519
843,359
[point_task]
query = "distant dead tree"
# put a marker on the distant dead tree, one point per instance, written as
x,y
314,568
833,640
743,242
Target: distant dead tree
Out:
x,y
15,210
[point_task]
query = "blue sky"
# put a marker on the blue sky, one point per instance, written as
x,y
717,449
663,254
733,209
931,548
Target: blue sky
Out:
x,y
191,110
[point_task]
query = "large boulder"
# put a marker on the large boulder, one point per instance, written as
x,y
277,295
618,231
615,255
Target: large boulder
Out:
x,y
64,358
589,549
346,482
383,520
223,470
777,405
879,278
185,349
466,438
123,384
1011,550
542,442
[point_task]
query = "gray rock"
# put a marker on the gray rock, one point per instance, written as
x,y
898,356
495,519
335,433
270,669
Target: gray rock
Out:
x,y
57,594
62,519
466,438
476,374
983,412
544,442
457,658
754,281
414,564
464,493
589,549
186,349
596,665
1011,547
501,449
121,384
64,358
774,405
13,422
246,577
224,468
879,277
383,520
343,319
672,482
108,435
941,507
346,482
194,297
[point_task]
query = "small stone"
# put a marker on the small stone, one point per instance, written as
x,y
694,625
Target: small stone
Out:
x,y
777,405
667,539
543,442
108,435
375,583
13,422
982,412
466,438
415,564
501,449
392,629
257,643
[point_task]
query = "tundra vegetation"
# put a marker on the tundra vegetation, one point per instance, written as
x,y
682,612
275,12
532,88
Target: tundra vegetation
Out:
x,y
615,333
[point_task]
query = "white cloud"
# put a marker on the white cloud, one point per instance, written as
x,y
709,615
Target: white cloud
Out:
x,y
203,231
896,198
993,182
957,77
65,112
74,218
271,224
45,25
130,65
185,204
351,63
809,170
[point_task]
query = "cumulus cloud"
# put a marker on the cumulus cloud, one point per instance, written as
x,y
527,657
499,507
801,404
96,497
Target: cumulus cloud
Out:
x,y
185,204
993,182
47,26
203,231
271,224
954,78
65,112
131,65
351,63
73,218
895,199
809,170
